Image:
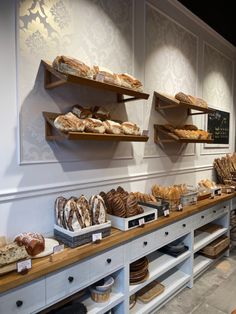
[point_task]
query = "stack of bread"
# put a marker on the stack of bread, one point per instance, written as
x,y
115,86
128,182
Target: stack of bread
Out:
x,y
121,203
93,120
188,131
191,100
171,194
76,67
75,213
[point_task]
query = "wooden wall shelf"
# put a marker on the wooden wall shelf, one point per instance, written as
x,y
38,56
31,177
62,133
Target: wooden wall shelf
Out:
x,y
163,101
169,137
53,78
50,131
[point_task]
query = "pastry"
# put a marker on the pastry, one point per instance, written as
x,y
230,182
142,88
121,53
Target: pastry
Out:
x,y
101,113
84,211
98,209
129,81
112,127
59,211
94,126
82,112
33,242
72,66
11,253
69,122
130,128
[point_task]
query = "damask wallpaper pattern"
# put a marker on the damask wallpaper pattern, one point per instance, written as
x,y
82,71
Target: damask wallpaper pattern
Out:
x,y
95,31
170,67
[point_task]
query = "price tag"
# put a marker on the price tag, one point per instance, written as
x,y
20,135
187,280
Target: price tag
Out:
x,y
97,237
100,77
219,192
166,212
58,248
24,265
180,207
141,222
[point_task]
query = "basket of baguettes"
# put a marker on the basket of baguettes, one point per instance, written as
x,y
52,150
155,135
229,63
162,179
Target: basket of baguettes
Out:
x,y
72,66
225,168
78,219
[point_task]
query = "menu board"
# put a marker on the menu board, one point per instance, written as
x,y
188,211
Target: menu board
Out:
x,y
218,126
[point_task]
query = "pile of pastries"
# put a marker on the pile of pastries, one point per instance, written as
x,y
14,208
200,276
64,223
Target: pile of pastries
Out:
x,y
76,67
75,213
188,131
121,203
182,97
171,193
93,120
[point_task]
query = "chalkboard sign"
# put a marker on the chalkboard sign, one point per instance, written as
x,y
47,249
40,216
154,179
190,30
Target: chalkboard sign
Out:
x,y
218,126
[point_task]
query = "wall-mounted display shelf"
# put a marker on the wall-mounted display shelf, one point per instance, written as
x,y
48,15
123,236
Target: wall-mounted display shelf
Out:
x,y
53,78
163,101
168,137
50,131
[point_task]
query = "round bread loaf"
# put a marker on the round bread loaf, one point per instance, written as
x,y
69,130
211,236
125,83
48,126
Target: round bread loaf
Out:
x,y
118,207
84,211
59,211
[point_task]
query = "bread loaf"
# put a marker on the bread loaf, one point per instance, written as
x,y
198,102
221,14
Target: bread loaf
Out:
x,y
112,127
183,98
94,126
98,208
11,253
69,122
74,220
84,211
101,113
105,75
129,81
59,211
118,206
72,66
33,242
130,128
82,112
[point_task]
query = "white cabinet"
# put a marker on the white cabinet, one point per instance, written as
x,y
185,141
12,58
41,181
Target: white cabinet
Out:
x,y
24,300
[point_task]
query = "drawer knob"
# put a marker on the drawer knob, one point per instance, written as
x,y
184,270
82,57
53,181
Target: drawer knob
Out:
x,y
70,279
202,217
166,233
19,303
184,225
214,211
145,243
109,260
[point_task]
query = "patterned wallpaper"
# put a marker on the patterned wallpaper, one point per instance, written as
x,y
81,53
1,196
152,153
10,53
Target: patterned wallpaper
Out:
x,y
170,67
95,31
218,78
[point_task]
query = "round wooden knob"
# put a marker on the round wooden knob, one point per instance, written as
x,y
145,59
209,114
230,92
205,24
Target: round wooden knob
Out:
x,y
184,225
19,303
109,260
214,211
202,217
70,279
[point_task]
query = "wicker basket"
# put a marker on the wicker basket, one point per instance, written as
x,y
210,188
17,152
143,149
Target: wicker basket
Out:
x,y
215,248
85,235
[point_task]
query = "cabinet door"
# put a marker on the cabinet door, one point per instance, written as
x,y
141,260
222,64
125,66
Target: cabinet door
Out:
x,y
25,300
67,281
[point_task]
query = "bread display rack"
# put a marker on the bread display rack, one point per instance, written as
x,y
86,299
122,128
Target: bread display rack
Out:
x,y
163,102
53,79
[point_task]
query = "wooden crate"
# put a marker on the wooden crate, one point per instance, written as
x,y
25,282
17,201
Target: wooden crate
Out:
x,y
215,248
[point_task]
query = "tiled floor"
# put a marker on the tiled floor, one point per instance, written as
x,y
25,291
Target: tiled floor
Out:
x,y
213,293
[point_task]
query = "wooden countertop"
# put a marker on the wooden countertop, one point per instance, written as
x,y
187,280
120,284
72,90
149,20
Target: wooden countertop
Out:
x,y
44,266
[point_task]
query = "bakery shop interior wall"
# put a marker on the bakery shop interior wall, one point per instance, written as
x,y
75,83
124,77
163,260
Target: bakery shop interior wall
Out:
x,y
156,41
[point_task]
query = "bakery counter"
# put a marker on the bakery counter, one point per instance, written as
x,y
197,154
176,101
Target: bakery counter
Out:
x,y
44,266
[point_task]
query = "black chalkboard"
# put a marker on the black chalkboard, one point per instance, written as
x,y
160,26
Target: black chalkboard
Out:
x,y
218,126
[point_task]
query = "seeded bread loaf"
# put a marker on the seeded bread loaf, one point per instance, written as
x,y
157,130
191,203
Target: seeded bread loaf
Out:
x,y
11,253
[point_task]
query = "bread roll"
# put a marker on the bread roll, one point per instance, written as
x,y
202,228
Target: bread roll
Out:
x,y
94,126
82,112
33,242
112,127
11,253
130,128
72,66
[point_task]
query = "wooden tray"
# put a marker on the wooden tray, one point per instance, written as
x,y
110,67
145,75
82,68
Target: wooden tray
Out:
x,y
7,268
151,291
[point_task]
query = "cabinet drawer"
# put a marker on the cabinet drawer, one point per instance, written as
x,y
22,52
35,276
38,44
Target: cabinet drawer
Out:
x,y
106,263
142,246
25,300
66,281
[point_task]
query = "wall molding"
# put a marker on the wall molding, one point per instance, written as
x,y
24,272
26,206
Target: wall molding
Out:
x,y
47,189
